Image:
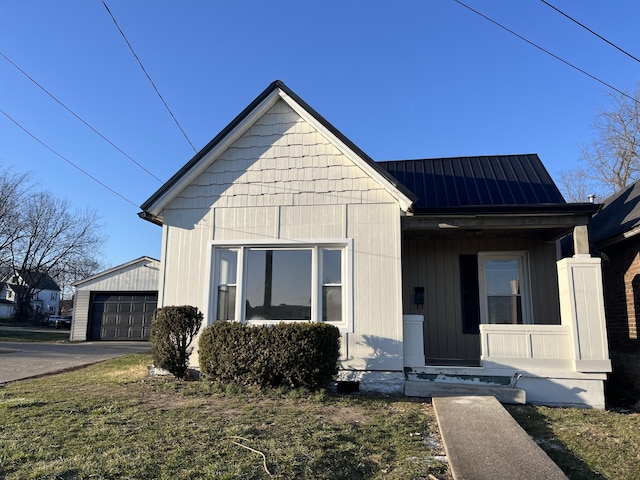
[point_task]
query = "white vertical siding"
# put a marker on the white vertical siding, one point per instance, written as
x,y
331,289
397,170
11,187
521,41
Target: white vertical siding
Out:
x,y
376,343
187,238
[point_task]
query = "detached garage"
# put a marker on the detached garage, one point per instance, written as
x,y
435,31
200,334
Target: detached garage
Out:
x,y
118,303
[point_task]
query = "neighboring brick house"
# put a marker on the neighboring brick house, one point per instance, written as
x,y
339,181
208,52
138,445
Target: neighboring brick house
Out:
x,y
615,233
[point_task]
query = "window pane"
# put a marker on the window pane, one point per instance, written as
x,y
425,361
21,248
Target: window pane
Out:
x,y
503,277
278,285
227,266
331,266
226,302
331,304
505,309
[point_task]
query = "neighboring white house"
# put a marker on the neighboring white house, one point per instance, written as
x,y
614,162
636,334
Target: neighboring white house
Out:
x,y
44,300
436,271
117,304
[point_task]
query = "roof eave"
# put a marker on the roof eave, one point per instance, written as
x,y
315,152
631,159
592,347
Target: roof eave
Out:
x,y
542,209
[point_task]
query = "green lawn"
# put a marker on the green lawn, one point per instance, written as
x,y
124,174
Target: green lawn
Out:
x,y
10,335
111,421
586,444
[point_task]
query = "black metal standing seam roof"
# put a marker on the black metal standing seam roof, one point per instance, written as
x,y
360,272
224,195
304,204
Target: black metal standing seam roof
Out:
x,y
485,181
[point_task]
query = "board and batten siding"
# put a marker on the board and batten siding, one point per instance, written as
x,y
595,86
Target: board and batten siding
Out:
x,y
139,275
284,181
433,263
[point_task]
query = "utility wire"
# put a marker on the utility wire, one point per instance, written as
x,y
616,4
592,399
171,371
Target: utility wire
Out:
x,y
66,159
77,116
589,30
148,76
549,53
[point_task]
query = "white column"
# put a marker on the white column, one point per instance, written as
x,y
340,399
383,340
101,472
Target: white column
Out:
x,y
582,309
413,340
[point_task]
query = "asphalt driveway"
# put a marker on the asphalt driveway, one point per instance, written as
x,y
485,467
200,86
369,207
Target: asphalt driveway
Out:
x,y
24,360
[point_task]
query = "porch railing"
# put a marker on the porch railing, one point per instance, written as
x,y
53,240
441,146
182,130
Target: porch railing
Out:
x,y
579,344
526,346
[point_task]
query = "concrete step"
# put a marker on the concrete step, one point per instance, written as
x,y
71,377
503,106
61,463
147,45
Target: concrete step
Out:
x,y
483,442
446,389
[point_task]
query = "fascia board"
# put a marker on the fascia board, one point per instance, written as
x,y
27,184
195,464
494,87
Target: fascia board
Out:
x,y
403,200
212,155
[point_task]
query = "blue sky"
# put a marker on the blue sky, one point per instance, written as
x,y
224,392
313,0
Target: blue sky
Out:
x,y
402,79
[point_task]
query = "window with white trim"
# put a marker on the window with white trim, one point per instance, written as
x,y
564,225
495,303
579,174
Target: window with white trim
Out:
x,y
269,283
504,288
226,268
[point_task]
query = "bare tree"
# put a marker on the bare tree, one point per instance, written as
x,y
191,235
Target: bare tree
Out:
x,y
72,273
612,160
13,187
53,239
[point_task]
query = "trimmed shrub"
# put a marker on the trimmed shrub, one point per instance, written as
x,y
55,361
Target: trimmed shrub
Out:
x,y
284,354
172,331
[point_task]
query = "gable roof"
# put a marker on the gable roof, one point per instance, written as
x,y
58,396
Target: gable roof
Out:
x,y
494,184
142,261
37,280
619,217
151,209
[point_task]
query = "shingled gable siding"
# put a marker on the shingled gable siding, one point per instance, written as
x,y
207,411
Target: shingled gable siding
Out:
x,y
281,160
284,181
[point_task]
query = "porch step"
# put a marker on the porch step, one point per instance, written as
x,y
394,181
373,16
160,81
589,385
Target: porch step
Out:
x,y
442,389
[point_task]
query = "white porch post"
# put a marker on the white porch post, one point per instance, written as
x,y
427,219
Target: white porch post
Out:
x,y
413,340
582,309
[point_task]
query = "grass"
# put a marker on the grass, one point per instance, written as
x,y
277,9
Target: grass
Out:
x,y
7,335
586,444
112,421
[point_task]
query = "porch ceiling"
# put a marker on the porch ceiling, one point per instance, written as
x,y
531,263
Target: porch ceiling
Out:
x,y
550,227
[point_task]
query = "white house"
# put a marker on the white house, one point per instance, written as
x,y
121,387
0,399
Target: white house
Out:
x,y
438,272
44,300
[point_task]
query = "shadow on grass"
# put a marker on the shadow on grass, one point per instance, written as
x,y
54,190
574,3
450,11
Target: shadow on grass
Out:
x,y
536,425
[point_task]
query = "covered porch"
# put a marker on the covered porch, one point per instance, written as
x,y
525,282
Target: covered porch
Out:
x,y
490,301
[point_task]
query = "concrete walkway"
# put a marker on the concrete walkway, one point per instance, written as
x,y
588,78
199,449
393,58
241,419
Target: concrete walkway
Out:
x,y
20,360
483,441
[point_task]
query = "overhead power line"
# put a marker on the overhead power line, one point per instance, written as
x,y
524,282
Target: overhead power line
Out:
x,y
147,75
77,116
584,72
66,159
589,30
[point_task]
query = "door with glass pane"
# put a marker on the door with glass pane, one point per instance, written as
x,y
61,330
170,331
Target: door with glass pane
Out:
x,y
504,288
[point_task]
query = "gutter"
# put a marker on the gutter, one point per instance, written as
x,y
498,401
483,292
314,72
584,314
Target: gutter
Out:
x,y
151,218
